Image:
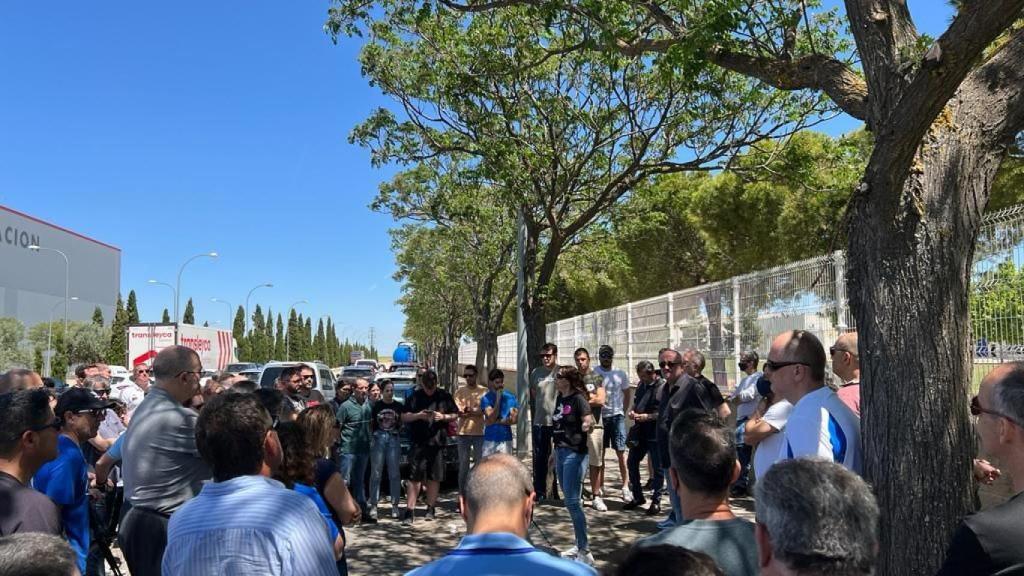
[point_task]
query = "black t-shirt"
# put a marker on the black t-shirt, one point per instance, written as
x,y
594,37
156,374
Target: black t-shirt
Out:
x,y
684,394
988,542
387,417
23,509
430,433
568,422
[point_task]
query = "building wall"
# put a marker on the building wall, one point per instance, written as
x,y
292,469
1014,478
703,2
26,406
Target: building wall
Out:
x,y
32,283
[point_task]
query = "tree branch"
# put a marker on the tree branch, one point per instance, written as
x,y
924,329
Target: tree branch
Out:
x,y
996,91
885,34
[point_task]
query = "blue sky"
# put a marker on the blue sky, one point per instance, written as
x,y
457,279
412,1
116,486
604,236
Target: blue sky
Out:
x,y
172,129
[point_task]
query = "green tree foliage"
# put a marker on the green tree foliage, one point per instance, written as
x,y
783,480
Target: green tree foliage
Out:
x,y
279,349
37,360
117,351
294,340
132,309
997,305
320,342
190,313
307,340
97,314
166,318
257,336
13,353
268,336
238,332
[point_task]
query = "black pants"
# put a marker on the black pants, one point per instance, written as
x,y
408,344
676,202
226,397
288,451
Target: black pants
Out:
x,y
143,537
743,453
542,442
636,456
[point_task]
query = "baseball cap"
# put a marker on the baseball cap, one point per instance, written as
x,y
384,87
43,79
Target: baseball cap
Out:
x,y
605,350
79,400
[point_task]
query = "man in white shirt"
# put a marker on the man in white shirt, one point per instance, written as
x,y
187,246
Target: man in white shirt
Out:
x,y
133,389
821,425
746,399
618,397
225,529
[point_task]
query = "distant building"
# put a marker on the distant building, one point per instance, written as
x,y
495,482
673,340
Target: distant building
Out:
x,y
32,283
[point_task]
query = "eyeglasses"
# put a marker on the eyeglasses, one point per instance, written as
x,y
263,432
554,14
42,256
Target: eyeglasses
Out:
x,y
977,410
99,391
833,349
773,365
669,364
143,371
56,423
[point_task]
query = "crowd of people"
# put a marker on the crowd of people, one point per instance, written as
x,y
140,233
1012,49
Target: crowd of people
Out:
x,y
225,477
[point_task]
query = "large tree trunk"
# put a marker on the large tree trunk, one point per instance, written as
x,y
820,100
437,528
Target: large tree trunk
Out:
x,y
910,256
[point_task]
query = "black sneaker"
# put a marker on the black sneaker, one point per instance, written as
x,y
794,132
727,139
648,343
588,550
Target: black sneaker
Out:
x,y
407,519
430,513
634,504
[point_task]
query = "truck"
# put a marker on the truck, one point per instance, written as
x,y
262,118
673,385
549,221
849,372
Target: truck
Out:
x,y
404,352
216,348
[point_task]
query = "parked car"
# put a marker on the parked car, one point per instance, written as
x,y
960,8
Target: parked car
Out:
x,y
324,378
350,373
253,374
239,367
367,363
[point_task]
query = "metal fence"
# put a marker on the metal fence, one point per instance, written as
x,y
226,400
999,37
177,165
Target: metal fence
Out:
x,y
745,312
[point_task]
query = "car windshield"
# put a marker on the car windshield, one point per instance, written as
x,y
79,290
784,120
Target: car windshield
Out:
x,y
357,373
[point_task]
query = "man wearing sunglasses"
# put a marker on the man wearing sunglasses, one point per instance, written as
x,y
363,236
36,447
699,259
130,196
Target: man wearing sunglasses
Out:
x,y
846,365
988,542
66,479
28,439
820,426
542,406
161,466
133,389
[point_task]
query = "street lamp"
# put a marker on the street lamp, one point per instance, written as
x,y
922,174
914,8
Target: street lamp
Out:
x,y
288,333
49,337
231,310
67,279
174,293
177,292
254,288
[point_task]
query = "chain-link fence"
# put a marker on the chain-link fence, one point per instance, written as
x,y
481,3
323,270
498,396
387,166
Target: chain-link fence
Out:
x,y
743,313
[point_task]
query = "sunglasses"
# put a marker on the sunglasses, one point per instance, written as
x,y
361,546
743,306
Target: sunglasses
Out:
x,y
99,391
773,365
669,364
56,423
307,377
977,410
143,371
547,355
99,412
833,349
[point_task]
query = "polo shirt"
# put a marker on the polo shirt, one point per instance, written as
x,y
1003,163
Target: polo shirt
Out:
x,y
65,479
500,554
821,426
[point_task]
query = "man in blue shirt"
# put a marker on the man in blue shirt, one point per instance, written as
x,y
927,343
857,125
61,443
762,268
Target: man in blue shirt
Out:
x,y
501,412
498,506
65,479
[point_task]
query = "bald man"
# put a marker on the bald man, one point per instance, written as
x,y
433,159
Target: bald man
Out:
x,y
820,426
989,542
846,365
497,504
161,466
19,379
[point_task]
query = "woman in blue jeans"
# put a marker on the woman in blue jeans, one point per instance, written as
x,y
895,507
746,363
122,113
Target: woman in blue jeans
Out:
x,y
385,421
572,421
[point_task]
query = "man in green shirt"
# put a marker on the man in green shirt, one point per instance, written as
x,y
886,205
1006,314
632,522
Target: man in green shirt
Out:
x,y
354,416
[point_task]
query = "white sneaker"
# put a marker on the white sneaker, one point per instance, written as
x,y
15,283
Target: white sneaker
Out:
x,y
599,504
627,495
585,557
570,553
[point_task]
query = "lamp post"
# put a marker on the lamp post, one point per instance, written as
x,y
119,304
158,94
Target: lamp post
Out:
x,y
288,333
174,293
67,279
254,288
228,304
177,291
49,338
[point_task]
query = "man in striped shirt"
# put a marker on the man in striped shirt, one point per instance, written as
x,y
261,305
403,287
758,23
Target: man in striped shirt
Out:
x,y
244,522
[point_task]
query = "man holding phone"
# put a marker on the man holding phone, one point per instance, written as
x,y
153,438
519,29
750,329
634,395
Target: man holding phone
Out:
x,y
501,412
431,409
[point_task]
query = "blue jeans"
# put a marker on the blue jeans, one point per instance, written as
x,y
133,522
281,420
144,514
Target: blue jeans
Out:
x,y
353,471
470,447
677,509
570,466
386,447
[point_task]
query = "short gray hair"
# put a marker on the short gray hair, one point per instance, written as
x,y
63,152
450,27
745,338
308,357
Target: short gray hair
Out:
x,y
36,554
1008,392
497,481
821,518
172,361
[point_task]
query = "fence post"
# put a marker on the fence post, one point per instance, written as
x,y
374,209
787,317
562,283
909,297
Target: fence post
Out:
x,y
671,324
629,336
737,339
842,306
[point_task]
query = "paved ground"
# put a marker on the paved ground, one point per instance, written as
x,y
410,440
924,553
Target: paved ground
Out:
x,y
392,548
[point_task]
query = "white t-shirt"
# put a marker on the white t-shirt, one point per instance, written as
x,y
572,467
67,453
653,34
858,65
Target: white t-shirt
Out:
x,y
615,385
746,396
821,426
767,452
128,392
